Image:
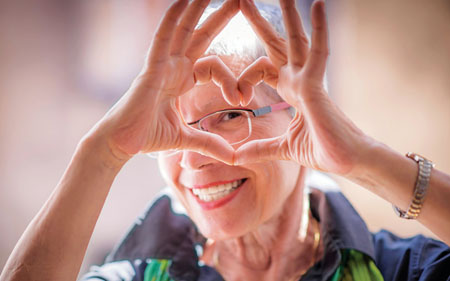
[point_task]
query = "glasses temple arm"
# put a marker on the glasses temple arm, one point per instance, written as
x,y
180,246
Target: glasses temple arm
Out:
x,y
270,108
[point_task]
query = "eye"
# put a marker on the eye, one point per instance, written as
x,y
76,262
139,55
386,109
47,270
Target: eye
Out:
x,y
231,115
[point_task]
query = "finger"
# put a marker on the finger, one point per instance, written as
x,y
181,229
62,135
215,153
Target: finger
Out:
x,y
212,68
187,25
274,44
260,70
298,41
208,144
317,59
261,150
159,50
204,35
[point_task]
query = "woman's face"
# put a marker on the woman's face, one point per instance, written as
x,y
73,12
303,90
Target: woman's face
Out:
x,y
252,193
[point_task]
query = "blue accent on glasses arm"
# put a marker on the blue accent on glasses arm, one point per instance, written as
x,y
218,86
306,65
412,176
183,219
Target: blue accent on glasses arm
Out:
x,y
262,111
270,108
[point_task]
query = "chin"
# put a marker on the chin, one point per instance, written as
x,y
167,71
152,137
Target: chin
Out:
x,y
231,223
218,232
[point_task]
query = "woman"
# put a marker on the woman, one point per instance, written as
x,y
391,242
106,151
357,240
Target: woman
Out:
x,y
223,152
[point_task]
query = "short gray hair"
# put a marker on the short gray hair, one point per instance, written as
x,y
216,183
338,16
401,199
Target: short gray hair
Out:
x,y
238,37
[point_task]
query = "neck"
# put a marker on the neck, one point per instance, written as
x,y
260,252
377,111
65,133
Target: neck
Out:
x,y
272,251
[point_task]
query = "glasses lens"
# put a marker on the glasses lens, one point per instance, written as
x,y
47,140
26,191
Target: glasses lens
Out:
x,y
233,125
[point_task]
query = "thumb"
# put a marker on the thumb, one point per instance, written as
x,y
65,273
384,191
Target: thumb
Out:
x,y
206,143
262,150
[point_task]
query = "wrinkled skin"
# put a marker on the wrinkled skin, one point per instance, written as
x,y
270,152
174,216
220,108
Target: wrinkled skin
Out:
x,y
146,118
320,136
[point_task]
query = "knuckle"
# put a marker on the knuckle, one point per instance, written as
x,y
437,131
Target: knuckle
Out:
x,y
274,41
300,37
213,59
185,29
320,51
287,4
161,36
203,5
203,35
264,61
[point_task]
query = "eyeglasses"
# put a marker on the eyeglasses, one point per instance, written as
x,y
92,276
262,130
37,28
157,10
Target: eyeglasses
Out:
x,y
234,125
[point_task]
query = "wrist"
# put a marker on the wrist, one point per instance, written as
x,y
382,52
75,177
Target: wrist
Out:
x,y
95,148
385,172
370,160
366,157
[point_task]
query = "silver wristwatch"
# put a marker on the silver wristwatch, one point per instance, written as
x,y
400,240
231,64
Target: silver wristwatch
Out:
x,y
420,189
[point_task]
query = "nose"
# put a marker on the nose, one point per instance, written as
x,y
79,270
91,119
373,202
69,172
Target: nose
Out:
x,y
195,161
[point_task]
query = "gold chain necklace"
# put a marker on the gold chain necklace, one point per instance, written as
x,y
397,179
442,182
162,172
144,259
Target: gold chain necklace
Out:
x,y
315,250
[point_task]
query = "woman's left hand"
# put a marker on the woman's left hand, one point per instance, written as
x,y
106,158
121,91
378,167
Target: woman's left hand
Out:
x,y
320,136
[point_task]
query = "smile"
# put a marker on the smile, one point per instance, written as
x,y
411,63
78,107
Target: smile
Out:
x,y
218,191
213,196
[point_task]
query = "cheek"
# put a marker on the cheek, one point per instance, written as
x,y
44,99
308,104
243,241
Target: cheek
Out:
x,y
270,126
275,188
170,169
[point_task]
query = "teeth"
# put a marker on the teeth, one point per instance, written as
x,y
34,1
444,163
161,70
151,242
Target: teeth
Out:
x,y
216,192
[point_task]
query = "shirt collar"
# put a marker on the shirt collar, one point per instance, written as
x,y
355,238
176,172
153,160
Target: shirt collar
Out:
x,y
341,228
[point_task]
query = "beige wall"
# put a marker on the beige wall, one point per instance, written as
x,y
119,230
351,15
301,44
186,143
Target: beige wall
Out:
x,y
391,66
63,63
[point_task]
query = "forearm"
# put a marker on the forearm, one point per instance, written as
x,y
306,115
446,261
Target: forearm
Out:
x,y
53,245
392,176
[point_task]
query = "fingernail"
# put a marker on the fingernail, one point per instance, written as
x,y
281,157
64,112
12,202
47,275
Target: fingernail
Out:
x,y
238,94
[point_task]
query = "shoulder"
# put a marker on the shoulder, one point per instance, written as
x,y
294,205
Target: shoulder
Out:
x,y
160,244
414,258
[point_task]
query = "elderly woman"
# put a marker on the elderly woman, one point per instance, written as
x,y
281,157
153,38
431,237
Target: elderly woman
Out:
x,y
236,153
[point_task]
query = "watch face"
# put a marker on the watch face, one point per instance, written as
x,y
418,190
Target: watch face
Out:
x,y
417,157
402,214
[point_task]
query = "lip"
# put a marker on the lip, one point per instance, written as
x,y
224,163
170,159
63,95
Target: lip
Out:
x,y
199,186
218,203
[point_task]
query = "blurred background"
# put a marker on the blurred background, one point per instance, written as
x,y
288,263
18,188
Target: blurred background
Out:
x,y
63,64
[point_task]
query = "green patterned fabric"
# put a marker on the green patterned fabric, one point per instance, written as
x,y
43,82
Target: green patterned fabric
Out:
x,y
157,270
356,266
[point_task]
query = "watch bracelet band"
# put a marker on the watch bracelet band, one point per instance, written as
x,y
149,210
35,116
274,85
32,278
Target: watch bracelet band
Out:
x,y
420,189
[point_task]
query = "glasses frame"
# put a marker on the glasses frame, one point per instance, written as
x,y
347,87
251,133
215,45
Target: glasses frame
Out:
x,y
255,112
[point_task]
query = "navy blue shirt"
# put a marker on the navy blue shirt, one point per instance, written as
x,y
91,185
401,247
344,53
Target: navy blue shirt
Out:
x,y
165,232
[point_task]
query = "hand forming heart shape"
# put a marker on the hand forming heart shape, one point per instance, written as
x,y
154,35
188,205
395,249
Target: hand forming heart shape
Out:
x,y
146,118
320,137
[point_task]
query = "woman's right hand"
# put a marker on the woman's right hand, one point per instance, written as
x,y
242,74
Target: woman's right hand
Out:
x,y
146,118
